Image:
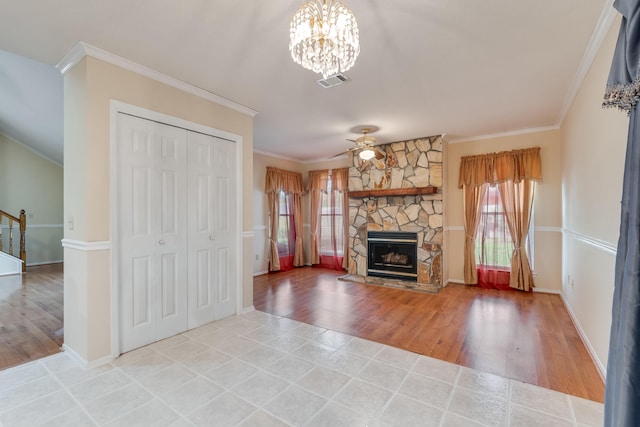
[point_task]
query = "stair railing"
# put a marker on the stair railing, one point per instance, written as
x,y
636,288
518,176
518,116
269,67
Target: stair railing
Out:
x,y
22,221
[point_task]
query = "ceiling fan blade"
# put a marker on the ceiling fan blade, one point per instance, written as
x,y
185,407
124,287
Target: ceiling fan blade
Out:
x,y
344,152
379,154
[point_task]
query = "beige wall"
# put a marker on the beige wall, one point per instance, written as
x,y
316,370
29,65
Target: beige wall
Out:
x,y
89,87
260,208
547,204
31,182
594,142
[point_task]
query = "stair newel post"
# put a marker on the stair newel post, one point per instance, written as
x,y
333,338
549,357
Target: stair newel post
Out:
x,y
23,245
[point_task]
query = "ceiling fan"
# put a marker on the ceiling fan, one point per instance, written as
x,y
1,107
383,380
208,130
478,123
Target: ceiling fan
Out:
x,y
365,145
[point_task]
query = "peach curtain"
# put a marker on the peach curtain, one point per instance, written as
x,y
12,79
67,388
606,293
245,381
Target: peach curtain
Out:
x,y
273,199
317,184
317,181
507,169
472,204
278,180
517,201
298,254
494,168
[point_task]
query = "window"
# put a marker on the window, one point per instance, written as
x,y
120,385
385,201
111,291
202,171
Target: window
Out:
x,y
494,245
286,228
329,228
331,222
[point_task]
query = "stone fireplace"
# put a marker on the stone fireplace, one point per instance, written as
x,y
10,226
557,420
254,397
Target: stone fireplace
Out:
x,y
400,192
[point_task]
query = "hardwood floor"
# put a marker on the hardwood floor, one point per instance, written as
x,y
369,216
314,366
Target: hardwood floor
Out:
x,y
525,336
31,315
529,337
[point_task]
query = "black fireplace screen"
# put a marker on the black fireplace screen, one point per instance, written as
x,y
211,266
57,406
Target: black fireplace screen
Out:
x,y
392,254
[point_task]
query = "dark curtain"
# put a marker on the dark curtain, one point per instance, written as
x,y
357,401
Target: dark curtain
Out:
x,y
622,394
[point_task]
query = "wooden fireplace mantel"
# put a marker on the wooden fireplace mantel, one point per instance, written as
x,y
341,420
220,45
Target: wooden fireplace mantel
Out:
x,y
415,191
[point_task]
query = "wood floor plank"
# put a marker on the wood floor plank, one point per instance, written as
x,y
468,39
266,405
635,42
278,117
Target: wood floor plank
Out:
x,y
31,315
525,336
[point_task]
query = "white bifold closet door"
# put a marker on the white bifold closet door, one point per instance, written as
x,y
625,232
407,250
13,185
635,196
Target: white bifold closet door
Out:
x,y
212,225
176,230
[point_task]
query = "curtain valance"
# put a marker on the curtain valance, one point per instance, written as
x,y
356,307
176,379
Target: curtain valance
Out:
x,y
494,168
283,180
339,179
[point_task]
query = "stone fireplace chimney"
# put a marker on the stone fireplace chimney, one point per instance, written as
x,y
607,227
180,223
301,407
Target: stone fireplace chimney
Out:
x,y
414,169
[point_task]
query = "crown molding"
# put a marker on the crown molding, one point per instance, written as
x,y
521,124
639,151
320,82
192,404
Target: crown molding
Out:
x,y
605,21
504,134
81,49
277,156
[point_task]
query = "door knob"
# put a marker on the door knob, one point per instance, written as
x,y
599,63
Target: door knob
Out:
x,y
161,242
212,238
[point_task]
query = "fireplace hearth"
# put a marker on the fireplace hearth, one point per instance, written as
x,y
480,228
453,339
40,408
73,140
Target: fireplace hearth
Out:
x,y
392,254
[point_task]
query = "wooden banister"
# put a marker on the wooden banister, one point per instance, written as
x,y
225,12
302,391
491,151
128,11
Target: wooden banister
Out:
x,y
22,221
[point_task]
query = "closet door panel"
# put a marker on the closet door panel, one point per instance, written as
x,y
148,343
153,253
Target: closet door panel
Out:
x,y
171,248
136,231
152,238
226,220
202,236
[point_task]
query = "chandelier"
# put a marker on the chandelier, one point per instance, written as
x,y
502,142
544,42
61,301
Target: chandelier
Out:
x,y
324,37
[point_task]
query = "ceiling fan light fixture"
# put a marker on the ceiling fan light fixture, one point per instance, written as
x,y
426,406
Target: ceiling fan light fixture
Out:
x,y
324,37
367,154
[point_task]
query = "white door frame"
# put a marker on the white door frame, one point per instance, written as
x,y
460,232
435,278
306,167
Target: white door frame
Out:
x,y
117,107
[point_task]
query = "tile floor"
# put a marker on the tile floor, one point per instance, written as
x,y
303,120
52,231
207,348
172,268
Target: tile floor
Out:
x,y
264,370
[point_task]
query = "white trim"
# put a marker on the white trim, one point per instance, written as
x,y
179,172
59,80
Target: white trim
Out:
x,y
607,16
86,246
456,281
547,291
31,149
545,229
31,226
35,264
540,229
259,227
247,234
592,241
592,352
247,310
302,162
504,134
81,49
83,363
259,273
277,156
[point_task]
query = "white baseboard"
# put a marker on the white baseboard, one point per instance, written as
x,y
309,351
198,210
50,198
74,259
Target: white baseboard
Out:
x,y
547,291
596,360
259,273
246,310
456,281
83,363
35,264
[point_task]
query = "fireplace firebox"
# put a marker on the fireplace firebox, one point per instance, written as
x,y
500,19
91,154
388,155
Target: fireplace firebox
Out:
x,y
392,254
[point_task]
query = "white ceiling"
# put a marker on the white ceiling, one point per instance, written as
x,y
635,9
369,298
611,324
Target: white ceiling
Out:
x,y
464,68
